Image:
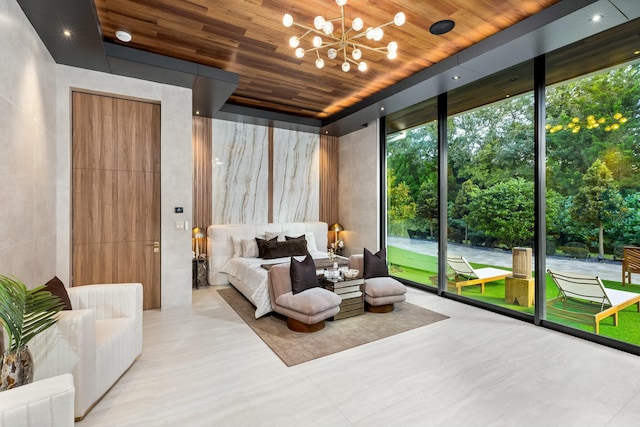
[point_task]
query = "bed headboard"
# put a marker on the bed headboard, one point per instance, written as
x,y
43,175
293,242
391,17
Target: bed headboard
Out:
x,y
220,241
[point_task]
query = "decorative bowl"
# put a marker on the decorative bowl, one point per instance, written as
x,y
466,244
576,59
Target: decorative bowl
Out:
x,y
351,273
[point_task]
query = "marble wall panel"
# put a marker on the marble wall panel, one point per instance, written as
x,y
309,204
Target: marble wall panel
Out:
x,y
296,179
240,181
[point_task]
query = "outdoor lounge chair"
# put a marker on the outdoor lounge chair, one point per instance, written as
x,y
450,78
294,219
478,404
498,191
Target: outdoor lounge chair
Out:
x,y
465,275
584,298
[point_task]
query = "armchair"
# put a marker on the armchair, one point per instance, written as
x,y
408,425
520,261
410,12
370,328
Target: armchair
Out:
x,y
48,402
97,341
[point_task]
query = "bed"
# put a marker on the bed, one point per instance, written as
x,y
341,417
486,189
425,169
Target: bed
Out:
x,y
229,244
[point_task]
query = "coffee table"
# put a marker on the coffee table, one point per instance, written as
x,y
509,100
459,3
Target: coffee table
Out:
x,y
351,293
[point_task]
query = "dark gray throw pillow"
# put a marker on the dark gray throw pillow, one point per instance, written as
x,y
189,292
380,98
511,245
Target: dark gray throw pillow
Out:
x,y
375,265
303,274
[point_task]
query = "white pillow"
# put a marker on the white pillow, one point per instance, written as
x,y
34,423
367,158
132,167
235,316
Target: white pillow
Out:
x,y
311,242
268,235
237,246
249,248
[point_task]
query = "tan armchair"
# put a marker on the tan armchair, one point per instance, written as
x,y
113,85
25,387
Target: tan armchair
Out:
x,y
630,263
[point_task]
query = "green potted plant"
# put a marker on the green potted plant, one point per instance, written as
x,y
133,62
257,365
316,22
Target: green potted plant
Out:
x,y
24,314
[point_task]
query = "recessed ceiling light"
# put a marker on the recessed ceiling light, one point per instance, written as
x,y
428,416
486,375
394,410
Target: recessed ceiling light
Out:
x,y
442,27
123,36
197,113
507,96
596,18
637,52
66,32
381,108
456,77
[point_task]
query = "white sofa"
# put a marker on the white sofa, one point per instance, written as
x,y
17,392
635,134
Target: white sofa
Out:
x,y
48,402
97,341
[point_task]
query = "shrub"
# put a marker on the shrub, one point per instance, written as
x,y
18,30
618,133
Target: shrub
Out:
x,y
575,250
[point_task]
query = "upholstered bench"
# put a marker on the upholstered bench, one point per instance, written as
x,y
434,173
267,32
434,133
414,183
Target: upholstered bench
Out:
x,y
305,311
380,293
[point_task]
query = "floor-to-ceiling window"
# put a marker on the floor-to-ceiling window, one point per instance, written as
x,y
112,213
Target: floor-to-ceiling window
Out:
x,y
412,194
490,186
593,181
591,190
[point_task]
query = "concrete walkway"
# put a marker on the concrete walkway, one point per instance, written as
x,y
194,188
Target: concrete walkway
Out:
x,y
606,270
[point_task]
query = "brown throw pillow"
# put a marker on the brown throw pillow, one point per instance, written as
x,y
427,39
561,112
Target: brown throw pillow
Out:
x,y
375,265
303,275
285,249
262,245
56,287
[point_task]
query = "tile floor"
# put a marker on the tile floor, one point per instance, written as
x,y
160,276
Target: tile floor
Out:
x,y
202,366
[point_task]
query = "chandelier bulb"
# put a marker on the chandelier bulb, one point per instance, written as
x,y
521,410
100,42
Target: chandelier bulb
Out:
x,y
327,27
317,42
357,24
399,19
378,34
319,63
346,67
357,54
318,22
294,42
362,66
392,55
332,53
392,47
341,2
369,33
299,52
287,21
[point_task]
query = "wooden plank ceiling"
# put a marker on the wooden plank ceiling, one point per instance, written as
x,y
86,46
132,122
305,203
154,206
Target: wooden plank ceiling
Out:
x,y
247,37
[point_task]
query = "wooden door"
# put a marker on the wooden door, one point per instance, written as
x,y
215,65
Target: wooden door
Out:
x,y
116,193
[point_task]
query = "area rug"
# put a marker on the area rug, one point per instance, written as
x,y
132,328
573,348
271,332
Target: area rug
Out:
x,y
295,347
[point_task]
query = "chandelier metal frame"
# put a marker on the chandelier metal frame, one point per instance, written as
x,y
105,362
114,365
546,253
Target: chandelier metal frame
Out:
x,y
347,39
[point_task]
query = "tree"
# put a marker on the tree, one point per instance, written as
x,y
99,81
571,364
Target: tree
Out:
x,y
460,207
401,205
505,211
427,204
597,200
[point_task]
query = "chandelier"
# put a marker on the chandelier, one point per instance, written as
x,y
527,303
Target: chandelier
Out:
x,y
347,44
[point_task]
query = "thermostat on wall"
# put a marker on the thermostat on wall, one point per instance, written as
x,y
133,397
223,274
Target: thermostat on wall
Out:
x,y
179,209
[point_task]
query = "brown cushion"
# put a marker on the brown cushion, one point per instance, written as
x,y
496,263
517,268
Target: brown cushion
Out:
x,y
303,275
262,245
56,287
375,265
285,249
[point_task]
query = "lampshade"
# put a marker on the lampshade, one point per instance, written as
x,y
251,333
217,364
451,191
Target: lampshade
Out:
x,y
336,227
197,233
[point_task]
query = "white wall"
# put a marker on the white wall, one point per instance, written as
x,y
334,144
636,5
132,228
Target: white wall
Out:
x,y
27,151
359,198
176,171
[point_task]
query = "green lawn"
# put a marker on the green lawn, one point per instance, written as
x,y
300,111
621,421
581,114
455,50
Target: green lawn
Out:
x,y
419,268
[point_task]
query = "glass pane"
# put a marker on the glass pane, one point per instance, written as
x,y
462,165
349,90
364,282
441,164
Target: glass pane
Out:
x,y
412,195
491,189
593,200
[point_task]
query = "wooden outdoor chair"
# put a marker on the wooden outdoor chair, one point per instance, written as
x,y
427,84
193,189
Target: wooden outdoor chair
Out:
x,y
630,263
465,275
585,299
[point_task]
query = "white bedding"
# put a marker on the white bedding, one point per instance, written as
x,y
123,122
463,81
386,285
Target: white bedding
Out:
x,y
247,275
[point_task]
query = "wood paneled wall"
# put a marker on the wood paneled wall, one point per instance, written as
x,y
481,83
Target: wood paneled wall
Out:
x,y
329,166
202,172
